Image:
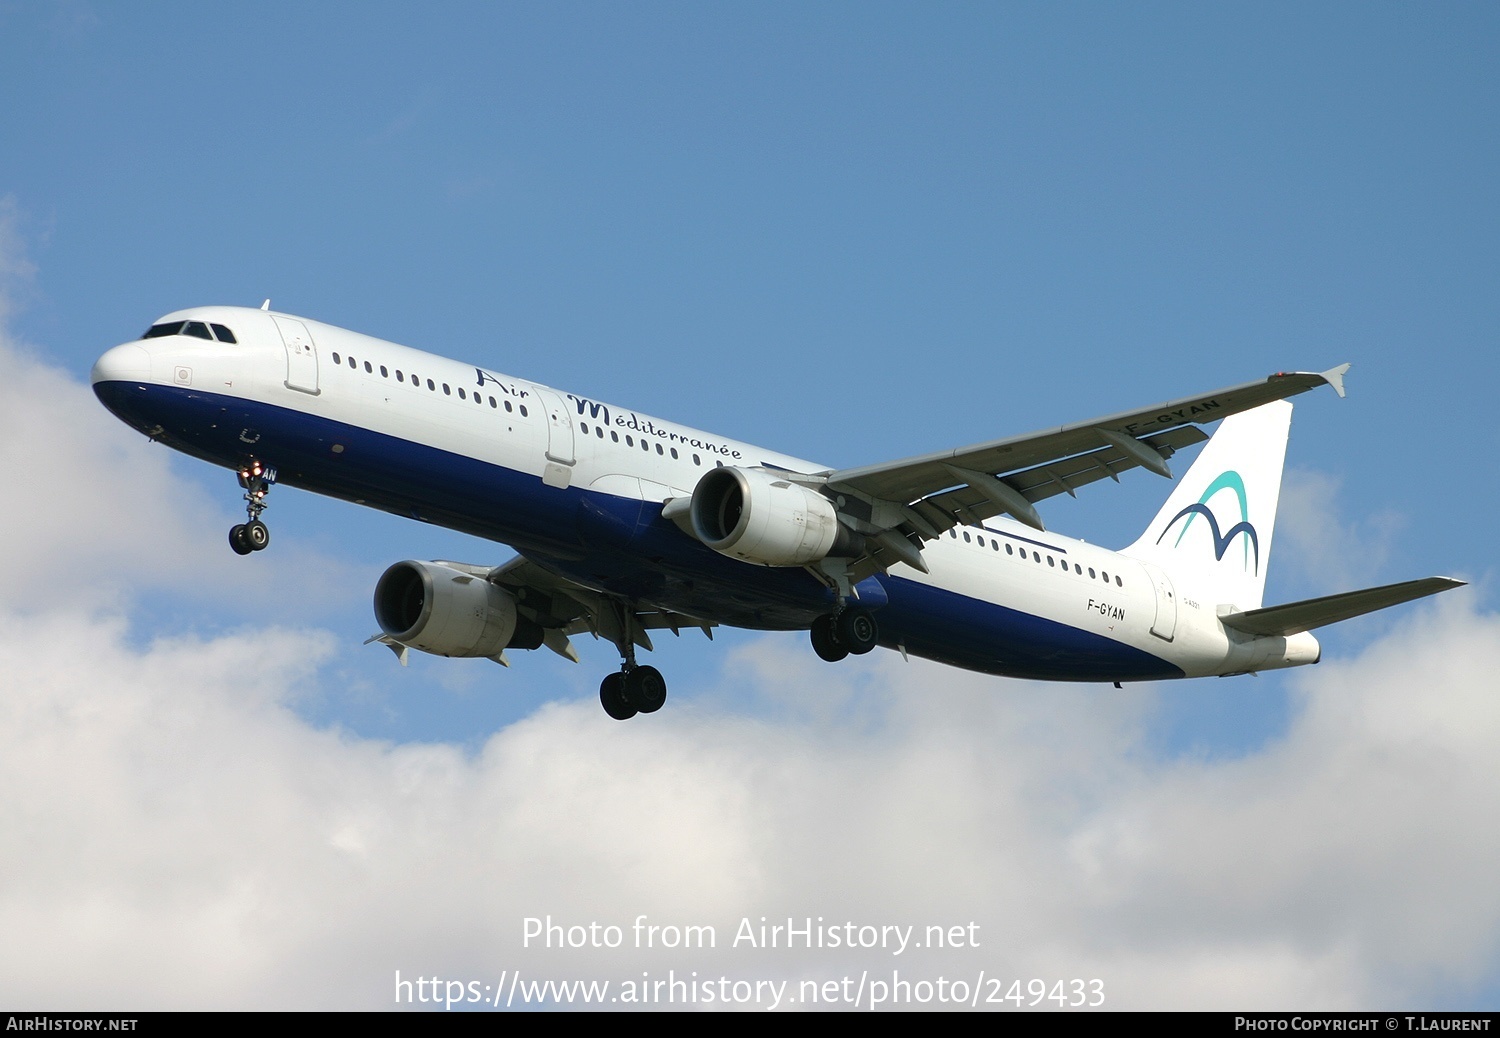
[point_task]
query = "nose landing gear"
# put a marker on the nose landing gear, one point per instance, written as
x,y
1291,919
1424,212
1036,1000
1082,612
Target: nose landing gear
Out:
x,y
256,479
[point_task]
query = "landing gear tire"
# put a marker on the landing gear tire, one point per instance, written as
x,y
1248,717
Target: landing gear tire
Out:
x,y
824,642
257,535
612,698
857,630
645,689
238,541
253,535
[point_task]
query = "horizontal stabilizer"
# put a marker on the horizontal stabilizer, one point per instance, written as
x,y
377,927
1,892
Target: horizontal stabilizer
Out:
x,y
1296,617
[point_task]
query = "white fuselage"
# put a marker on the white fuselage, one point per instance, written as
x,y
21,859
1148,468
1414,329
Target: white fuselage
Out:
x,y
577,485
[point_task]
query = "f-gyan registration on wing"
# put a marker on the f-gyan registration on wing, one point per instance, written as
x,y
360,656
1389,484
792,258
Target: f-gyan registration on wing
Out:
x,y
626,524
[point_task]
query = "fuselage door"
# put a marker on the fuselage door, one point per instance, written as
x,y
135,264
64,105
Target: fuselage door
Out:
x,y
1165,626
301,356
559,428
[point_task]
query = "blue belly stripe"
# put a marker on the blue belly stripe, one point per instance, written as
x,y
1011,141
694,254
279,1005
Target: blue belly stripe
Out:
x,y
618,545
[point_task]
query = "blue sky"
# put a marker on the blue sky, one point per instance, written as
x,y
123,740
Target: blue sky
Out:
x,y
849,232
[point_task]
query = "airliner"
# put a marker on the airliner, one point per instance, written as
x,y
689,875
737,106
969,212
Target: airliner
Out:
x,y
627,525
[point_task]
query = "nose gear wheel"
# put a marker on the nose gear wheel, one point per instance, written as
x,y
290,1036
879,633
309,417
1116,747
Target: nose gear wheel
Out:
x,y
254,535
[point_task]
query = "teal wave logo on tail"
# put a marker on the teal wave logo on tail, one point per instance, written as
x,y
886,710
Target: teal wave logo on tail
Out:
x,y
1228,480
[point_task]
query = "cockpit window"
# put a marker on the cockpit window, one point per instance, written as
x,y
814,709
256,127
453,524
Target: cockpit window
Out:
x,y
198,329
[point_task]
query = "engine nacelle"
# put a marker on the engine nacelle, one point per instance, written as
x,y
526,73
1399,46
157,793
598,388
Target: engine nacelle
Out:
x,y
755,515
445,611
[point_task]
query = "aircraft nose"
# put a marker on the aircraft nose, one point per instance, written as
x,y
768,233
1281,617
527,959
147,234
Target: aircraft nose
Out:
x,y
127,363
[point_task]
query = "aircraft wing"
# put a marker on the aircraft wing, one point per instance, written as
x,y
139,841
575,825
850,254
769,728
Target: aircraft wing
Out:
x,y
563,607
933,492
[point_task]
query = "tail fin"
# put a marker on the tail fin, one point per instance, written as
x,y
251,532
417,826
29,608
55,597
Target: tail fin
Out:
x,y
1215,529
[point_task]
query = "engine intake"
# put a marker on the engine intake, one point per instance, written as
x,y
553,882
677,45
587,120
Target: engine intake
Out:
x,y
444,611
756,515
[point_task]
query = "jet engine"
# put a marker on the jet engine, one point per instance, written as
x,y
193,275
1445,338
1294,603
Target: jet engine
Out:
x,y
756,515
447,612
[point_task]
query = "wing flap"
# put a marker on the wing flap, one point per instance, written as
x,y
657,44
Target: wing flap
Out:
x,y
563,607
1312,613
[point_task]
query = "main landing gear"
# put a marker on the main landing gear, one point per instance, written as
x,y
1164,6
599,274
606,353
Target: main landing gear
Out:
x,y
850,630
634,690
638,690
254,535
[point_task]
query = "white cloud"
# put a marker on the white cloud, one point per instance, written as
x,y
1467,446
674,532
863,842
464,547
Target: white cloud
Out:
x,y
1327,552
17,271
177,836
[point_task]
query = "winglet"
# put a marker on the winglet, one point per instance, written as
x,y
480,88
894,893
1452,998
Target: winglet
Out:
x,y
1335,378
